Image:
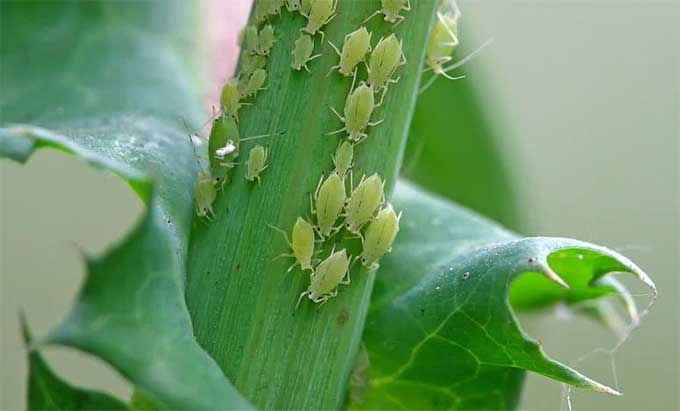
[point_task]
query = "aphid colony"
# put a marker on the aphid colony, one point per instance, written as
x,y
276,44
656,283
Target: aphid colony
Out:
x,y
360,212
364,210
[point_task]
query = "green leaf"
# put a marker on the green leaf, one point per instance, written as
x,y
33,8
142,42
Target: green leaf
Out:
x,y
111,84
242,300
46,391
458,344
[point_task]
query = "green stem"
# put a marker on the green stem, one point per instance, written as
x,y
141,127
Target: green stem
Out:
x,y
242,300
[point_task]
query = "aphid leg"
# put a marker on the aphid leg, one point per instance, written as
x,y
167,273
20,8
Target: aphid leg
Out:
x,y
376,123
335,48
300,298
285,237
337,114
408,5
372,15
399,19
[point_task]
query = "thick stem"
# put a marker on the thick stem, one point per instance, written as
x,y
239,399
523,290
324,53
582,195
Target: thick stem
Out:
x,y
241,300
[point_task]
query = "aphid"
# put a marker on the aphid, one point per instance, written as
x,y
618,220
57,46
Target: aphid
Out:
x,y
293,5
253,84
205,195
358,109
391,9
250,39
379,237
230,99
224,133
257,163
443,41
343,158
363,203
262,10
302,53
252,62
302,244
327,203
321,12
266,40
384,61
327,276
357,44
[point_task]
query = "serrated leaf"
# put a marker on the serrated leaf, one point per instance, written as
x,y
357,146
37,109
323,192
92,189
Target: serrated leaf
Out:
x,y
458,344
110,84
46,391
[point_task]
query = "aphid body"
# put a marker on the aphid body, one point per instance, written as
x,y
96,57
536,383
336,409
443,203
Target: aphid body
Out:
x,y
205,195
343,158
321,12
257,163
302,244
384,61
223,148
302,53
363,203
443,41
230,99
327,203
379,237
266,40
250,39
252,62
325,279
357,44
358,110
254,83
391,10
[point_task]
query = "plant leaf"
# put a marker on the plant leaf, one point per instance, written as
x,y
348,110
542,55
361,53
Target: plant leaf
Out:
x,y
46,391
110,84
458,344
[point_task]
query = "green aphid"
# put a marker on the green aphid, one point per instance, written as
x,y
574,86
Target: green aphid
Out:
x,y
251,85
384,61
302,244
320,14
266,40
358,110
252,62
256,164
343,158
327,203
302,53
363,203
224,133
327,276
205,195
443,42
354,49
249,39
391,10
379,237
230,99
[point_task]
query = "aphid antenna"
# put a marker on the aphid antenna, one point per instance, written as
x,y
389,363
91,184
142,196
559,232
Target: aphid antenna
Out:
x,y
300,299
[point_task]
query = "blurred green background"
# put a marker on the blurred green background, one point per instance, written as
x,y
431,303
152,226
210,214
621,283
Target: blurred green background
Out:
x,y
584,97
